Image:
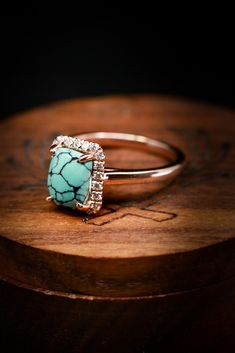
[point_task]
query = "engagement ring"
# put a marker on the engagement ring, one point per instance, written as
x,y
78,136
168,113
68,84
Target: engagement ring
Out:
x,y
77,171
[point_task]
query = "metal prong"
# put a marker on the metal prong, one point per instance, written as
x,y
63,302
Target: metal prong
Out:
x,y
49,198
54,148
82,207
85,158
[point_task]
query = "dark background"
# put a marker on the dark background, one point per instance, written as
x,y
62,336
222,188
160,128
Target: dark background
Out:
x,y
49,59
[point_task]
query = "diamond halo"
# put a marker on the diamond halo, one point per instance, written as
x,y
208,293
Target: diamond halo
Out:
x,y
92,151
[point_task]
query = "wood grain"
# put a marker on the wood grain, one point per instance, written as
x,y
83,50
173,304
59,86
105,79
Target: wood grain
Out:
x,y
145,242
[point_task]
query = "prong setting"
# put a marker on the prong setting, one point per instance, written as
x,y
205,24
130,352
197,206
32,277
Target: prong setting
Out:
x,y
85,158
82,207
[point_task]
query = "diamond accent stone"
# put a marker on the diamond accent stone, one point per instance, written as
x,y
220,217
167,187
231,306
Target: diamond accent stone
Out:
x,y
61,138
98,176
94,147
85,145
99,155
96,196
97,186
77,143
69,141
98,165
96,206
58,140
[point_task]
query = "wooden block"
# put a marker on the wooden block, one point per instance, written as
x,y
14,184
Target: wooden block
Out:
x,y
146,243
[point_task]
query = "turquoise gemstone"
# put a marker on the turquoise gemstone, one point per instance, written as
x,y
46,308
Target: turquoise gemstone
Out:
x,y
68,180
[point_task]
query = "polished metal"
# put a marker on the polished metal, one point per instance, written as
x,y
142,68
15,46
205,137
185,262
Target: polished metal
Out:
x,y
175,158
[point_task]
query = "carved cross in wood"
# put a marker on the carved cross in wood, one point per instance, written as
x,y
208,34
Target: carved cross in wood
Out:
x,y
115,212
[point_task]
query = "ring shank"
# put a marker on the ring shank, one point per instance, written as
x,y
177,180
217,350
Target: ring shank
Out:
x,y
175,157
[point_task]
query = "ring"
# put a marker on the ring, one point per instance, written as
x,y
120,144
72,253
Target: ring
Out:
x,y
77,172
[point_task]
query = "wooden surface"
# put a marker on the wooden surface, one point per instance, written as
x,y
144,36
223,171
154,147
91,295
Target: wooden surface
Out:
x,y
143,243
154,272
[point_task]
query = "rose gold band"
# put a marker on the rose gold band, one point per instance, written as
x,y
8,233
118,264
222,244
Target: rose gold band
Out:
x,y
175,157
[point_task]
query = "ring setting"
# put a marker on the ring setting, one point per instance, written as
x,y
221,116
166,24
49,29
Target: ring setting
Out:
x,y
77,172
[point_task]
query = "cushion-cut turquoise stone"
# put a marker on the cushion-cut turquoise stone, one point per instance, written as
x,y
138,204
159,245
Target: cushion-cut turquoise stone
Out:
x,y
68,180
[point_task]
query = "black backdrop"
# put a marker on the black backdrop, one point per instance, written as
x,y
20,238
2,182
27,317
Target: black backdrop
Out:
x,y
47,60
